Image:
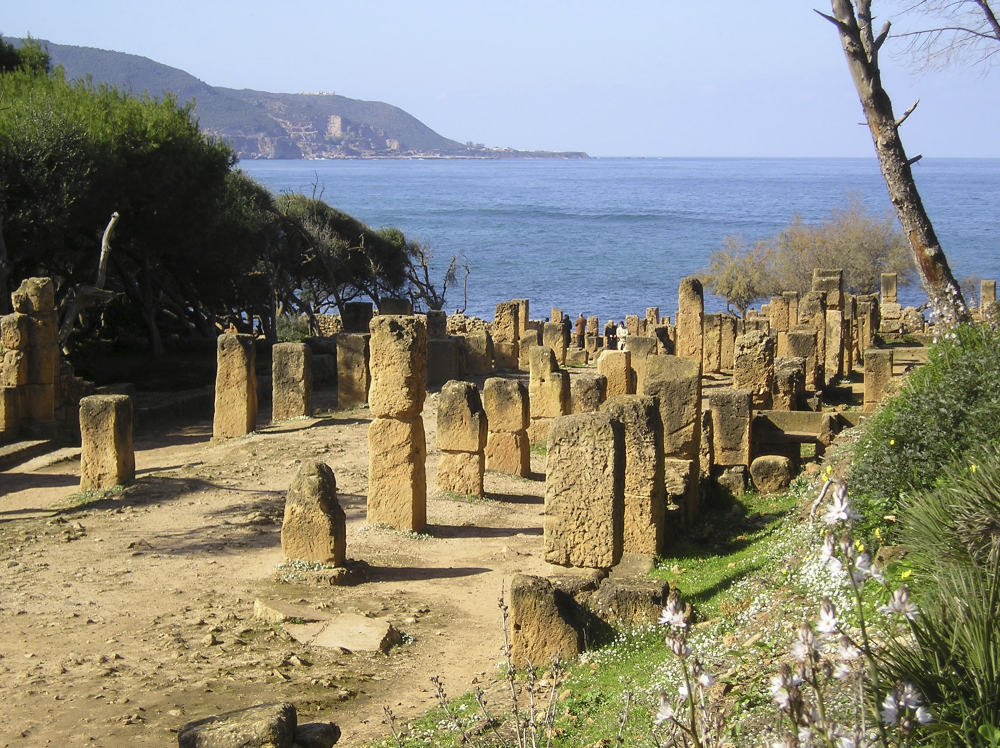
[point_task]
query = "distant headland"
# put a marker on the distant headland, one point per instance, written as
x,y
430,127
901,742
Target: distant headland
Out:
x,y
263,125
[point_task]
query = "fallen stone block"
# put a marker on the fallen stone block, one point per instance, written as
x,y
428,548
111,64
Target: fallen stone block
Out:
x,y
315,525
772,473
263,726
543,622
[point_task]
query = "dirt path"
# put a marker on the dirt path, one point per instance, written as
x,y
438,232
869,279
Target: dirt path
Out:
x,y
107,608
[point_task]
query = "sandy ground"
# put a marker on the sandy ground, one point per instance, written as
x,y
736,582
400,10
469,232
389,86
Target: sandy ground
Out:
x,y
107,608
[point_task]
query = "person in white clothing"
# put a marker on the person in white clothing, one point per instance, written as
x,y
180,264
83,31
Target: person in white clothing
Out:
x,y
622,335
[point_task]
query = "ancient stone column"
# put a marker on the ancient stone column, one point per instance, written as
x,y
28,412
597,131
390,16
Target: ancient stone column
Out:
x,y
548,392
356,316
557,315
639,350
812,311
732,414
353,369
397,452
437,324
753,368
632,325
833,367
506,329
616,366
445,360
107,457
505,402
652,317
727,342
789,383
522,316
529,339
587,392
987,297
676,383
291,381
831,283
479,353
31,359
792,299
461,437
644,528
314,529
889,288
777,314
235,387
584,492
711,362
878,373
690,313
553,336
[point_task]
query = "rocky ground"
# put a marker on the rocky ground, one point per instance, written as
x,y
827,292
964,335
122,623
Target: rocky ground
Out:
x,y
125,616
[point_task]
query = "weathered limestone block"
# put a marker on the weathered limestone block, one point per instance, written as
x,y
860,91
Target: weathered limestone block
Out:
x,y
315,525
505,355
731,478
506,404
640,349
548,385
690,311
37,402
789,383
557,315
753,368
833,366
772,473
632,325
593,326
584,492
437,324
41,364
987,297
508,453
792,300
106,458
356,316
14,331
652,316
576,357
235,387
399,353
732,413
553,336
683,492
889,288
462,472
529,339
506,323
291,381
353,369
396,307
706,451
263,726
712,350
587,392
397,480
801,343
15,368
869,320
643,488
831,283
616,367
479,353
445,360
10,411
630,601
543,622
812,311
664,339
677,384
727,342
523,316
878,373
461,420
34,296
777,313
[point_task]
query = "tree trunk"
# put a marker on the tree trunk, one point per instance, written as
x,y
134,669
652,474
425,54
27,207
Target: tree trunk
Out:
x,y
4,274
149,310
861,48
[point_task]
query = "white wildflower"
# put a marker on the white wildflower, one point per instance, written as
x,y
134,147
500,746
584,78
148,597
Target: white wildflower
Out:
x,y
890,707
900,604
840,509
673,614
923,715
827,623
666,711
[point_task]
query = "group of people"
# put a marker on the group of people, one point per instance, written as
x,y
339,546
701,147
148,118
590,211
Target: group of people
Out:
x,y
615,333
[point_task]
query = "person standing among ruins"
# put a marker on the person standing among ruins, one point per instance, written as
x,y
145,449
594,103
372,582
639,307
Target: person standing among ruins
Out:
x,y
581,330
611,335
622,335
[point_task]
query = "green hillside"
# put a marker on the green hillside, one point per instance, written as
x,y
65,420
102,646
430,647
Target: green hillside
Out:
x,y
259,124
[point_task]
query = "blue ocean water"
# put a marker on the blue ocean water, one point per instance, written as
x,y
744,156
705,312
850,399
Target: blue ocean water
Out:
x,y
610,237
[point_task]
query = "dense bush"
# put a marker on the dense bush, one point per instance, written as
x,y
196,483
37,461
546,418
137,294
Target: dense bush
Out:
x,y
946,409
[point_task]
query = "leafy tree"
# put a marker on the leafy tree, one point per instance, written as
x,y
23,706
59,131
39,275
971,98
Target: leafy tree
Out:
x,y
740,273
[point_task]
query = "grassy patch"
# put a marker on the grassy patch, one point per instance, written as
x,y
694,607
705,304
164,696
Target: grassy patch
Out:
x,y
539,448
89,497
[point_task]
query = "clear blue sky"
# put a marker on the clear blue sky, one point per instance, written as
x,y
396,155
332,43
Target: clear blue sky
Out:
x,y
631,78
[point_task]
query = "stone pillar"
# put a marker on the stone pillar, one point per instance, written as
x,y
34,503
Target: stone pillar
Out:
x,y
587,392
353,369
792,299
632,325
753,369
850,346
643,487
727,342
314,529
732,414
831,283
548,392
557,315
235,387
522,316
639,350
529,339
676,383
506,328
437,324
553,336
889,288
395,307
107,457
291,381
711,362
505,402
812,311
777,314
868,322
690,313
987,297
445,360
878,373
652,317
584,492
833,367
664,339
397,452
479,353
616,366
461,437
356,316
801,343
789,383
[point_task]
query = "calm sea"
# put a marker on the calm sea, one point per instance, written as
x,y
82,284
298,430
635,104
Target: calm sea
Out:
x,y
613,236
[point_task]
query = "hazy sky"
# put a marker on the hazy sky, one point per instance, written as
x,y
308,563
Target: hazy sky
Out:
x,y
630,78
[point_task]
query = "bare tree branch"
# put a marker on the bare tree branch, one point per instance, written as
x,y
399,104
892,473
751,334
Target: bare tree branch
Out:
x,y
907,113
